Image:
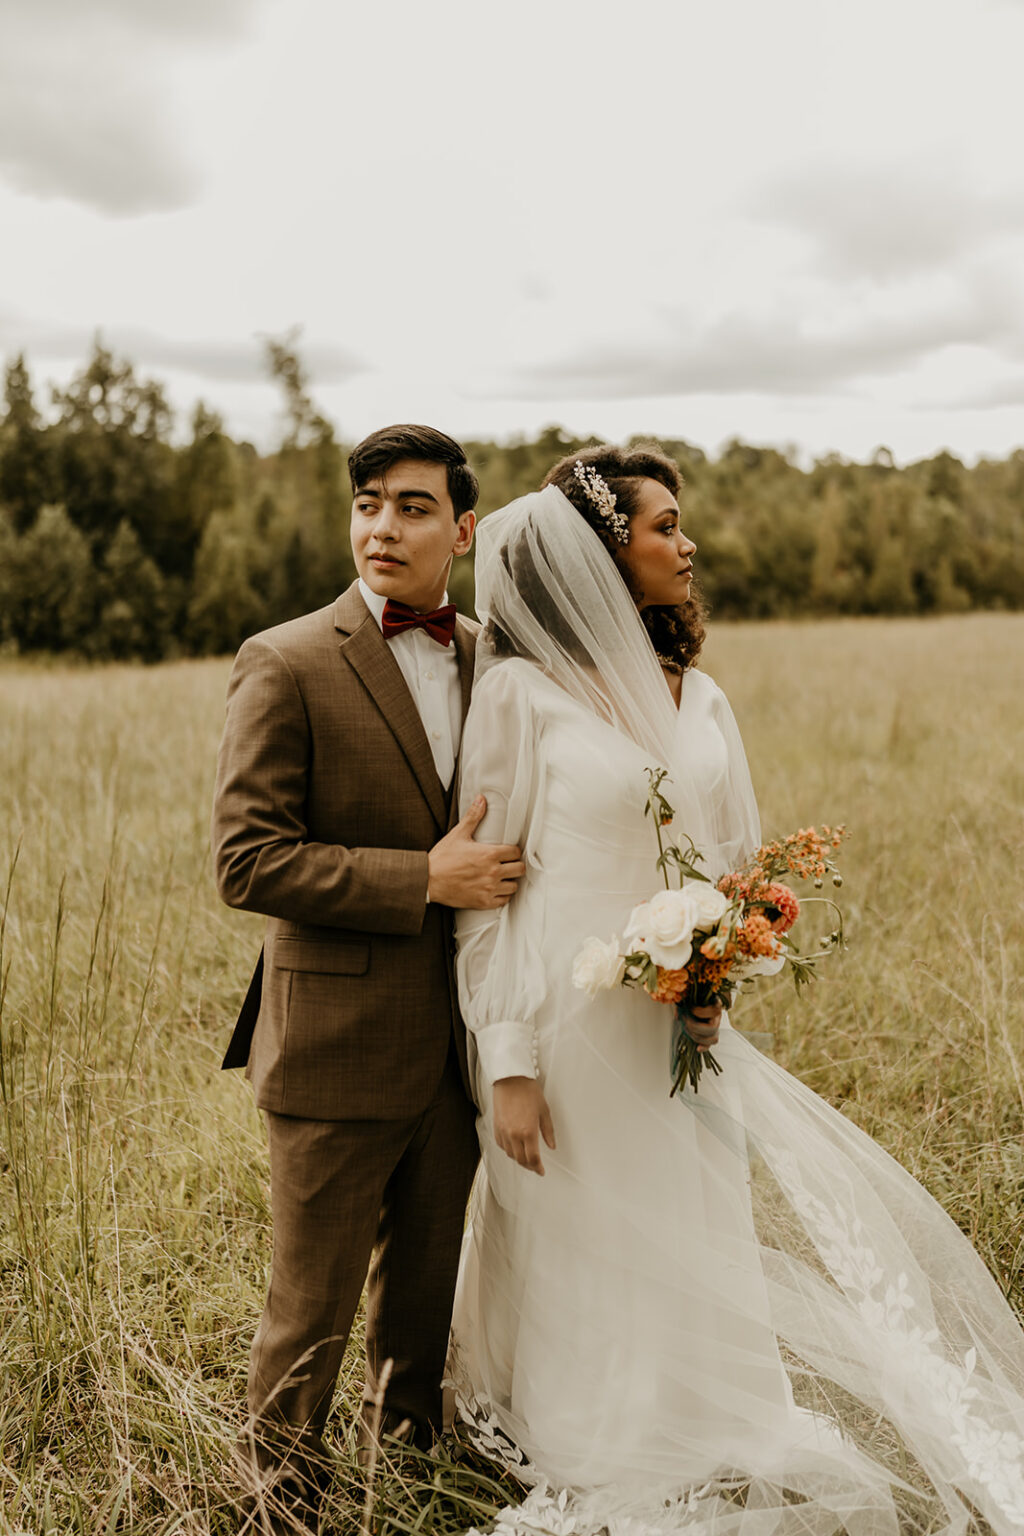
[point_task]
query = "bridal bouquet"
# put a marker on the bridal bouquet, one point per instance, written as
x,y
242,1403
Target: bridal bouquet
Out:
x,y
694,946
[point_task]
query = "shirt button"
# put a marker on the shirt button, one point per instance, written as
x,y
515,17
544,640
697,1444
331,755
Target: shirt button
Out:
x,y
435,735
431,676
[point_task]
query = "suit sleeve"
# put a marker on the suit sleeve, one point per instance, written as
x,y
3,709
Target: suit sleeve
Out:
x,y
262,859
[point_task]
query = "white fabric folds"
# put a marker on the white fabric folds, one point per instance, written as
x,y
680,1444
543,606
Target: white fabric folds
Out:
x,y
730,1314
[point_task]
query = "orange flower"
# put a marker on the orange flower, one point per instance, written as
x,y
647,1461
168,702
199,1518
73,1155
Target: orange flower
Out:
x,y
757,936
671,985
785,904
713,972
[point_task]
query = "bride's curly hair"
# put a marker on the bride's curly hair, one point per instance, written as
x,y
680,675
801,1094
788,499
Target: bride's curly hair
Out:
x,y
677,634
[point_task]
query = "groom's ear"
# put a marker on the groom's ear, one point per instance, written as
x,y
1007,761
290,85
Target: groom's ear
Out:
x,y
465,523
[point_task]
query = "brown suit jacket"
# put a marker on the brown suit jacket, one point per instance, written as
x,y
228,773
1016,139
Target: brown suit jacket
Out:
x,y
326,804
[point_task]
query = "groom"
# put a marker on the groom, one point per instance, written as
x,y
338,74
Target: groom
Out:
x,y
332,816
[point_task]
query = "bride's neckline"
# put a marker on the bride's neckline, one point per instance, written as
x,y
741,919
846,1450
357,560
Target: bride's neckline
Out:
x,y
674,680
594,707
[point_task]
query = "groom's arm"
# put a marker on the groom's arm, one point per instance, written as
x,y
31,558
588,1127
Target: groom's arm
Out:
x,y
263,860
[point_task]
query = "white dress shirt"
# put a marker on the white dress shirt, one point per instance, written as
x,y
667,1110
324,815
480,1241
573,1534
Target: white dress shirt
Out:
x,y
432,673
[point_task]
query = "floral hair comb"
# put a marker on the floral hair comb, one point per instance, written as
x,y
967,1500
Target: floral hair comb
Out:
x,y
602,500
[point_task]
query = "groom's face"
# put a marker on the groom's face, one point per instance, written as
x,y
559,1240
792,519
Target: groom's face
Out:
x,y
405,532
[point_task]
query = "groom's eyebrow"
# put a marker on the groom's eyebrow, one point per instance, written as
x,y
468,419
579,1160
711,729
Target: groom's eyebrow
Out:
x,y
376,492
420,496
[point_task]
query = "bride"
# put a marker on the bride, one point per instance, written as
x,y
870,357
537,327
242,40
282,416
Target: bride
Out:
x,y
728,1313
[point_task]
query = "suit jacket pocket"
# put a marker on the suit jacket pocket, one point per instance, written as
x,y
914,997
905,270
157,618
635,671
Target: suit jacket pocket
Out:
x,y
345,957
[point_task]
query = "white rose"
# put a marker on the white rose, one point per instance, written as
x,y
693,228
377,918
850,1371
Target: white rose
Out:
x,y
598,966
709,902
663,928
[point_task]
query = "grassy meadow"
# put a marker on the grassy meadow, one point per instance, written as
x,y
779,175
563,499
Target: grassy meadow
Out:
x,y
134,1223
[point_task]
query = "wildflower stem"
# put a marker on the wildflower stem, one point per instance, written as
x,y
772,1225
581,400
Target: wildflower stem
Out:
x,y
654,805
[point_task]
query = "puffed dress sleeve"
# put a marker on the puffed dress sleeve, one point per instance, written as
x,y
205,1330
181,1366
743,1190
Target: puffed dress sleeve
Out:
x,y
499,966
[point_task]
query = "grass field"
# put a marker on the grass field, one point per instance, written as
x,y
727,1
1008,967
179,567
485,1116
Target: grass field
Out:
x,y
134,1235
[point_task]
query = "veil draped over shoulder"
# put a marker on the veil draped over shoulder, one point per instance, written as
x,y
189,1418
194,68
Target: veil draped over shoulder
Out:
x,y
548,592
729,1314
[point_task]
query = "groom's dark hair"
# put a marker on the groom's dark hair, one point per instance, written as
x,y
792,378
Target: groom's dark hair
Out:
x,y
376,454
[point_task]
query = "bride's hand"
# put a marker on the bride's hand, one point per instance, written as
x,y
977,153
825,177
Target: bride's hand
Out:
x,y
702,1024
521,1118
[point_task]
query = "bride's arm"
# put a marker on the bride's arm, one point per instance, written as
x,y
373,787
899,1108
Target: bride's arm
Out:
x,y
738,824
500,971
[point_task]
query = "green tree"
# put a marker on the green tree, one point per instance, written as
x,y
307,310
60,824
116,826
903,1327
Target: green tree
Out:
x,y
26,468
207,478
8,577
52,581
310,483
133,618
946,477
114,460
831,584
947,594
196,546
889,588
225,605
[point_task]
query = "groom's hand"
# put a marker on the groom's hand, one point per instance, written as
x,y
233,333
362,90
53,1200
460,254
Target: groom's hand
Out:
x,y
463,873
521,1118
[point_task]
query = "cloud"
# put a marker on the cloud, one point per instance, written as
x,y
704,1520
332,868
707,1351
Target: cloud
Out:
x,y
160,18
231,361
1003,394
770,352
89,154
84,98
885,222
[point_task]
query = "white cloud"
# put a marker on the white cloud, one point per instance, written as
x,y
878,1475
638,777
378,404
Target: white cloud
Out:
x,y
231,361
86,109
717,220
793,349
161,18
235,361
1003,393
884,222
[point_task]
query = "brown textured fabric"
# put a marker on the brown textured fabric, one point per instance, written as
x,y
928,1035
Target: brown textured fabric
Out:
x,y
327,801
339,1190
326,804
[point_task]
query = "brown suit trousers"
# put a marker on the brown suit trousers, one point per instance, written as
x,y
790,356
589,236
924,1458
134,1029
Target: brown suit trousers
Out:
x,y
326,805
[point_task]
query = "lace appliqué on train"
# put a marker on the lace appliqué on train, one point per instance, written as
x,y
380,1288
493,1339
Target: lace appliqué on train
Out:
x,y
549,1511
994,1459
479,1425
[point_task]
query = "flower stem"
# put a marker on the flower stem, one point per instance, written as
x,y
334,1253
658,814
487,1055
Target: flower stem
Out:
x,y
688,1060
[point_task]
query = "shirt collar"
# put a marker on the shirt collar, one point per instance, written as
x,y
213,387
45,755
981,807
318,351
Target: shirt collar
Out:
x,y
376,603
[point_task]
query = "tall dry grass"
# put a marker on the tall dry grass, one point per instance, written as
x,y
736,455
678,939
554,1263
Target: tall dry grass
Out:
x,y
134,1235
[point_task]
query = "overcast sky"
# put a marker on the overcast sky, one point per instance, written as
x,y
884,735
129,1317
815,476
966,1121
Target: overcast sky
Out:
x,y
797,222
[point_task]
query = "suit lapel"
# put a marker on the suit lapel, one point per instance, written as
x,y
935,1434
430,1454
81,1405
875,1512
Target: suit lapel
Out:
x,y
369,656
465,650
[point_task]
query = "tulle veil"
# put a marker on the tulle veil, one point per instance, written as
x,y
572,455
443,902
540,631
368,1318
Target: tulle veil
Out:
x,y
547,591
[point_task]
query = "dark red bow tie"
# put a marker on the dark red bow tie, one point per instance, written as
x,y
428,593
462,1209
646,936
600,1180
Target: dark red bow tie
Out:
x,y
439,625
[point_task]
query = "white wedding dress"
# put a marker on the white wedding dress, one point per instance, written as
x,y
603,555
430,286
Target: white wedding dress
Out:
x,y
728,1313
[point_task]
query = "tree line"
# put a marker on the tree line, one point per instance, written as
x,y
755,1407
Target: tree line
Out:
x,y
119,542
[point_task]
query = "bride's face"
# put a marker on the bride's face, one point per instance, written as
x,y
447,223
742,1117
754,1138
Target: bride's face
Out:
x,y
658,556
